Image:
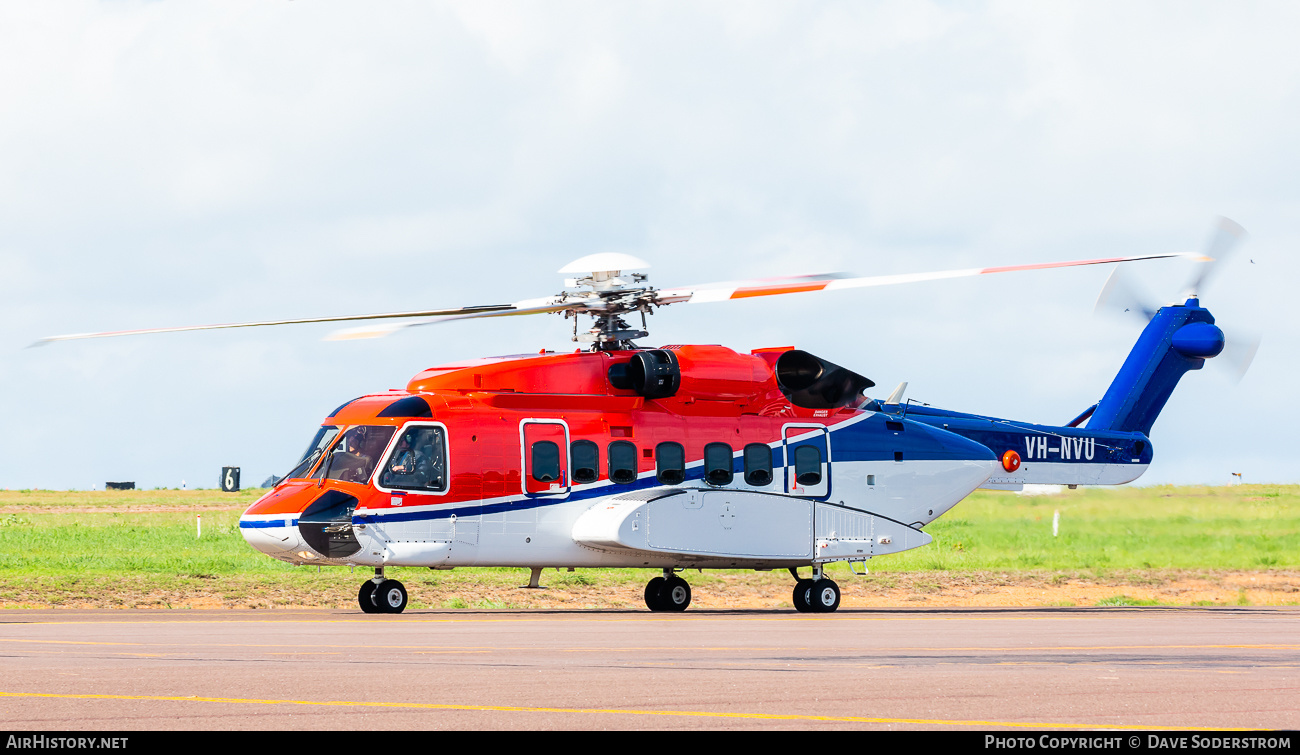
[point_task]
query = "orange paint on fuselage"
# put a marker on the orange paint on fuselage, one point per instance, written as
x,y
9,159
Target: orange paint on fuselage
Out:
x,y
724,397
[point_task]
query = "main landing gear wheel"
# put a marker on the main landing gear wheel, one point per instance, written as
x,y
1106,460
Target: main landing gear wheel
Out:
x,y
366,597
667,594
825,596
652,593
390,597
803,595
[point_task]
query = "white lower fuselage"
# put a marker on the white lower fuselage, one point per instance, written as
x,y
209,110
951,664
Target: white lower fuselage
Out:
x,y
881,503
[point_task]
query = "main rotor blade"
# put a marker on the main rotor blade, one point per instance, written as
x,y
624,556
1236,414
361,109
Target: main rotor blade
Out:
x,y
379,330
497,309
837,281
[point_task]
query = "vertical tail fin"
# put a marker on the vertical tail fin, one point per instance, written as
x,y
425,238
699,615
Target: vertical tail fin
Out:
x,y
1178,338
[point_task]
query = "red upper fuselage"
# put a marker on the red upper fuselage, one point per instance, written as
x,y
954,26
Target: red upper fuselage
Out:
x,y
724,396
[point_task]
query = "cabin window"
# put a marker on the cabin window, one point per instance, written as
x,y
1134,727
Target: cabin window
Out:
x,y
670,463
418,461
718,464
586,461
324,437
546,461
622,462
758,464
808,465
356,454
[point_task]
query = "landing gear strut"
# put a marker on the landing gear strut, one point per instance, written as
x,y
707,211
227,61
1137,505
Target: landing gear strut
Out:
x,y
380,595
817,595
667,593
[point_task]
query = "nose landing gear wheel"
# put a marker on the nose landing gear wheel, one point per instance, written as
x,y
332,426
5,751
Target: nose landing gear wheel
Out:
x,y
825,596
803,595
390,597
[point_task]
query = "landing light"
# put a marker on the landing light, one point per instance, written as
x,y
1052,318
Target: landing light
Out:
x,y
307,555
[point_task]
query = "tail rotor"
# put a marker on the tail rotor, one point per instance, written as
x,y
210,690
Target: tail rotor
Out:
x,y
1122,295
1225,238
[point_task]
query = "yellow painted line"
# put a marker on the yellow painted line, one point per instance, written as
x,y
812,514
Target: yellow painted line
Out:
x,y
622,711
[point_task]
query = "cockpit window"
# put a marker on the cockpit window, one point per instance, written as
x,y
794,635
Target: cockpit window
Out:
x,y
323,438
418,461
356,454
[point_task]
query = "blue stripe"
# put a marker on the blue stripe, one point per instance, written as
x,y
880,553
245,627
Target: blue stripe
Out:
x,y
864,440
264,524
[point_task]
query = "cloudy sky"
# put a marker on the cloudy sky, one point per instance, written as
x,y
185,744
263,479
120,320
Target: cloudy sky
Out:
x,y
175,163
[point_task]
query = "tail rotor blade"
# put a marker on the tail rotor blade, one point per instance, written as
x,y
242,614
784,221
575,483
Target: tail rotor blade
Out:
x,y
1121,295
1223,240
1238,352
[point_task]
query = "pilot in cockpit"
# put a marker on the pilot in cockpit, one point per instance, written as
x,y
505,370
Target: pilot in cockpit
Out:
x,y
357,452
416,462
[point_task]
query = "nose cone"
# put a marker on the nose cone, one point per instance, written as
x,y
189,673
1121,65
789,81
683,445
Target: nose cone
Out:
x,y
270,525
277,538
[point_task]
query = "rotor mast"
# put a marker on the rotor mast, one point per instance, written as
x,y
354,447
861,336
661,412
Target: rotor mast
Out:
x,y
611,295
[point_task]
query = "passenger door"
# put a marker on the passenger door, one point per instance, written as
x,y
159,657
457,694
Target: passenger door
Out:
x,y
807,460
545,446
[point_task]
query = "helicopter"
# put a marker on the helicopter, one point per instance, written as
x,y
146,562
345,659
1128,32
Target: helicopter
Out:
x,y
682,456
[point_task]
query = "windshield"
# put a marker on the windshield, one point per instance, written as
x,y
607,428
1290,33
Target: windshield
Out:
x,y
356,454
324,437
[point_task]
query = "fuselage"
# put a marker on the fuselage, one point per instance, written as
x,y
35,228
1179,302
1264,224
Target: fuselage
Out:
x,y
496,462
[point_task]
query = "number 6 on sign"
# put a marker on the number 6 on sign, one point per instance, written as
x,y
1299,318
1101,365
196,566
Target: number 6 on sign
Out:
x,y
230,479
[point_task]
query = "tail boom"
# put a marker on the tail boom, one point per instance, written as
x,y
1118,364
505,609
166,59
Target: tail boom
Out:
x,y
1044,454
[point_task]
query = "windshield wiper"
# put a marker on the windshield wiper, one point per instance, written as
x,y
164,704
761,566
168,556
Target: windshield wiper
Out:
x,y
325,473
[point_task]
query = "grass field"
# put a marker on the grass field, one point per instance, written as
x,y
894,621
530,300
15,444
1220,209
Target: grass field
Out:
x,y
139,549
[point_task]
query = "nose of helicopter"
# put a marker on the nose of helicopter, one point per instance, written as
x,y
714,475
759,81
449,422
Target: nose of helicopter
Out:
x,y
270,525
